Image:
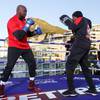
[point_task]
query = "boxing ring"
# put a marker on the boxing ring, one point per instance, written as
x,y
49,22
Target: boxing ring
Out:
x,y
51,81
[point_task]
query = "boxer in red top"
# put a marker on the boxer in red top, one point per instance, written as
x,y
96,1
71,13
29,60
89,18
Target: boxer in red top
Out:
x,y
18,46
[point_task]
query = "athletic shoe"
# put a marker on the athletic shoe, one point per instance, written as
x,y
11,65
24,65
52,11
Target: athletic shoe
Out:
x,y
91,91
32,86
2,91
70,93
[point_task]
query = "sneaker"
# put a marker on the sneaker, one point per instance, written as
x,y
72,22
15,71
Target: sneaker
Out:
x,y
70,93
91,91
2,91
32,86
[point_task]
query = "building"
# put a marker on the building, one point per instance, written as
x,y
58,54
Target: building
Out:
x,y
95,35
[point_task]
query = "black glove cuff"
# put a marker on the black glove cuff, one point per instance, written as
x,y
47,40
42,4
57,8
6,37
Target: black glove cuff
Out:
x,y
19,34
30,34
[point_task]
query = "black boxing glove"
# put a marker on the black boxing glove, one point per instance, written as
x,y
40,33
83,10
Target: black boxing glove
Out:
x,y
66,20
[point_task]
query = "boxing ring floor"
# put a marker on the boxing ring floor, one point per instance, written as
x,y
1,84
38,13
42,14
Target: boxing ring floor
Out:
x,y
52,88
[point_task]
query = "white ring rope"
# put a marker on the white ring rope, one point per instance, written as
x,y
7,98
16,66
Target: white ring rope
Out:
x,y
49,61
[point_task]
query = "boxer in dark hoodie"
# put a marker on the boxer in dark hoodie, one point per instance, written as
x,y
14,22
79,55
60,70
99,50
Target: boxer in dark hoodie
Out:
x,y
80,27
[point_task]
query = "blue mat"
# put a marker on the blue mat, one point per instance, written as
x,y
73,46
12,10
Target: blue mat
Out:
x,y
52,88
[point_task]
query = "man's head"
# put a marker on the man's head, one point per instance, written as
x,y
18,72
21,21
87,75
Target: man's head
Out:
x,y
77,14
21,11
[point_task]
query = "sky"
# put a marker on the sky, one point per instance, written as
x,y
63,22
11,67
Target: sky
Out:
x,y
48,10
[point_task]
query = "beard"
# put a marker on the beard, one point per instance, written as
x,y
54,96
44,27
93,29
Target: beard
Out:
x,y
22,17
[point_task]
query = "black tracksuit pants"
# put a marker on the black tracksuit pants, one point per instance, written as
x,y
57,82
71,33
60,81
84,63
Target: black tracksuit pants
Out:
x,y
13,55
79,55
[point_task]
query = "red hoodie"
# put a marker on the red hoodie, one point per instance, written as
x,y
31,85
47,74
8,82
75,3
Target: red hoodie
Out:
x,y
16,24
